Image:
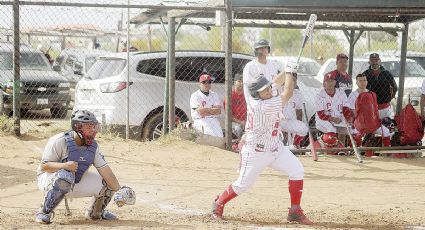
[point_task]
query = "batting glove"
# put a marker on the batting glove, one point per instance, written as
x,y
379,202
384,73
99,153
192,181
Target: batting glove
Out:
x,y
291,67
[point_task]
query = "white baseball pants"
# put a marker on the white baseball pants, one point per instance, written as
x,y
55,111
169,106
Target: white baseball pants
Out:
x,y
89,185
209,126
387,112
294,126
253,163
328,127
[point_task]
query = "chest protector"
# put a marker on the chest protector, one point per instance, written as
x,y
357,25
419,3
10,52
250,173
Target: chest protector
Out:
x,y
84,157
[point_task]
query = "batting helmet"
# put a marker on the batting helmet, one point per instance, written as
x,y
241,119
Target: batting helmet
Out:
x,y
80,117
257,85
259,44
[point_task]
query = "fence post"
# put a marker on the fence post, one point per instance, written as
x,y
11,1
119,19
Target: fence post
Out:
x,y
127,123
403,55
171,71
228,74
16,70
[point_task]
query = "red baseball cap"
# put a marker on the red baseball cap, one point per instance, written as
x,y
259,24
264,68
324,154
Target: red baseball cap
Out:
x,y
341,56
205,77
329,76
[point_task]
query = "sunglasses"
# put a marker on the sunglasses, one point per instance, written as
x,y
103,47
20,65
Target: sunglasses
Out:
x,y
206,82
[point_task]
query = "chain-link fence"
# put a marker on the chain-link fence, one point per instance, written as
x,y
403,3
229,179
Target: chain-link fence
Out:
x,y
73,56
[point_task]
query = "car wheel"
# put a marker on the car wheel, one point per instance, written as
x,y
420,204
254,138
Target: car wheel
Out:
x,y
24,112
59,112
153,127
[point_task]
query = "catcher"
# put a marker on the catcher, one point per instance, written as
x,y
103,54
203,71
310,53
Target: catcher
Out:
x,y
64,171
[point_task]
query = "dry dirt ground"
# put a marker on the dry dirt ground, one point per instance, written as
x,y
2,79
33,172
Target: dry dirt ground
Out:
x,y
176,182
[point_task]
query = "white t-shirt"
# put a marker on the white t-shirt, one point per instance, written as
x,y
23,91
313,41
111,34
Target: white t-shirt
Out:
x,y
263,124
56,151
423,87
253,69
199,99
331,105
294,103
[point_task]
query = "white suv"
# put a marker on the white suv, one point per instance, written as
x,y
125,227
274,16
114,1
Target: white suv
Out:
x,y
415,74
102,90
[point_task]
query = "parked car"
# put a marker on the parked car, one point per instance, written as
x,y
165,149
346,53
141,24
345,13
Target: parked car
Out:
x,y
103,88
40,86
73,63
309,86
415,74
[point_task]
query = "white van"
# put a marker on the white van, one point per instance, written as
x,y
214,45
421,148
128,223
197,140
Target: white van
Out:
x,y
102,90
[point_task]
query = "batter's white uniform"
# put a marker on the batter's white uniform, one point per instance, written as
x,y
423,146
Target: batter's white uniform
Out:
x,y
331,106
56,151
351,103
254,69
209,125
290,123
263,147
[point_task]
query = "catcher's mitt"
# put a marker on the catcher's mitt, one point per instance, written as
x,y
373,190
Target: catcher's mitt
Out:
x,y
125,195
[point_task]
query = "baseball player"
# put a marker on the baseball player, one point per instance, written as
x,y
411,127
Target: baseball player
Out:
x,y
259,66
343,79
292,116
381,82
263,147
330,107
361,81
205,108
64,171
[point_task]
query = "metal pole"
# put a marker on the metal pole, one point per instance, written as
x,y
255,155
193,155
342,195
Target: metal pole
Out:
x,y
166,86
228,74
127,123
271,39
404,36
16,70
149,38
171,71
351,52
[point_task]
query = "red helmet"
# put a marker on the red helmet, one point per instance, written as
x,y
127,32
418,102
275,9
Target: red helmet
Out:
x,y
329,139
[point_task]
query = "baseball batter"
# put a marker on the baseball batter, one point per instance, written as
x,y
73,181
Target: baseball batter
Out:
x,y
64,171
263,147
205,108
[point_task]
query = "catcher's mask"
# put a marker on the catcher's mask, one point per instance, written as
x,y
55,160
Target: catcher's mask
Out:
x,y
85,124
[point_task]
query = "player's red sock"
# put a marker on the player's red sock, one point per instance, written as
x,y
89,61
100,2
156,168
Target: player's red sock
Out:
x,y
298,139
295,191
226,196
386,141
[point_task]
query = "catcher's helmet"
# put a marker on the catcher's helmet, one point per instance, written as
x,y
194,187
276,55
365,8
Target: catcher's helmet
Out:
x,y
257,85
80,117
259,44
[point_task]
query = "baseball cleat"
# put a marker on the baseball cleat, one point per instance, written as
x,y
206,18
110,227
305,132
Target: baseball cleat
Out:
x,y
43,218
217,210
106,215
298,216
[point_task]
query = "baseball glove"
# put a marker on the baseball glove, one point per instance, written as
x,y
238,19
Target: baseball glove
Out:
x,y
125,195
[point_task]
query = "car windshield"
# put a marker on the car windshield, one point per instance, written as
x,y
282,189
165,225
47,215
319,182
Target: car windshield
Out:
x,y
29,61
106,67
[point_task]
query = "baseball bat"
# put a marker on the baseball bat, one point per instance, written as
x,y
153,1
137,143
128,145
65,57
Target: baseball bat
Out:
x,y
307,34
353,142
310,137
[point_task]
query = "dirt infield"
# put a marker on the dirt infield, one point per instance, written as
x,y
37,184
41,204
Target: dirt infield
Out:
x,y
176,181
